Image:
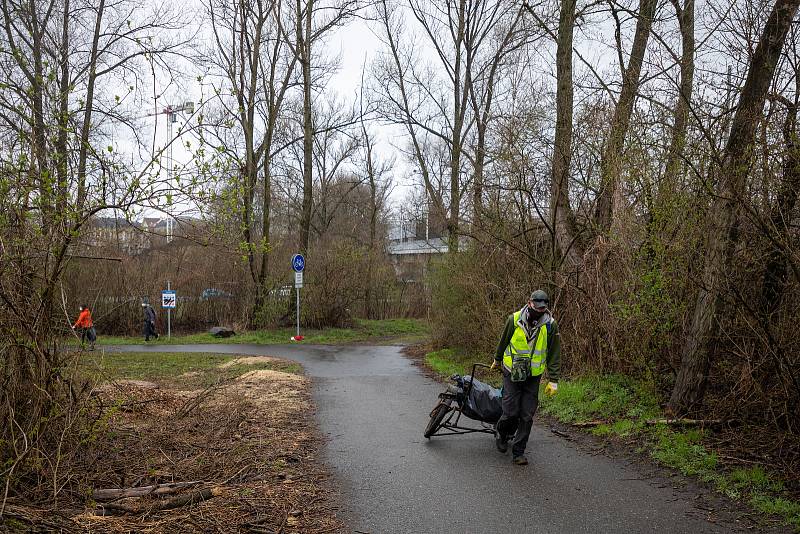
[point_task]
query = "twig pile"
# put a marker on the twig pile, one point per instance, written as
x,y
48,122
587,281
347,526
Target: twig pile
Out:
x,y
239,456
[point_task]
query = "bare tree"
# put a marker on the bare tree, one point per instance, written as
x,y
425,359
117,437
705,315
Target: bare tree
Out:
x,y
252,56
611,162
683,102
471,42
376,172
563,217
314,19
69,69
698,347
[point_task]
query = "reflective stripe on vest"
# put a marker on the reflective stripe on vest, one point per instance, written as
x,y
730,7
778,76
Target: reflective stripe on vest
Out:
x,y
519,347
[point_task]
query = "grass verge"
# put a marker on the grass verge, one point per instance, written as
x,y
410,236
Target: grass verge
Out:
x,y
388,332
178,368
447,362
616,406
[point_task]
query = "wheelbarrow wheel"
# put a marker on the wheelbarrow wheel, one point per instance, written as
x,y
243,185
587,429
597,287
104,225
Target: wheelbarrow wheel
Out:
x,y
437,416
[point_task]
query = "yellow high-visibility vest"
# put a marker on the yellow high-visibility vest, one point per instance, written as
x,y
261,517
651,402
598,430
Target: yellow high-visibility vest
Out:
x,y
519,347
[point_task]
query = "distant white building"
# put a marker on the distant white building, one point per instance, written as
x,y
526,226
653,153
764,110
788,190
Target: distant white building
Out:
x,y
413,243
135,237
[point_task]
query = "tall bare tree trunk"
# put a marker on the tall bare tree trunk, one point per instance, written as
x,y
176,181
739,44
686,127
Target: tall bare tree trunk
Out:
x,y
775,270
63,114
266,203
563,218
373,224
682,105
460,92
83,151
304,45
611,162
661,211
699,342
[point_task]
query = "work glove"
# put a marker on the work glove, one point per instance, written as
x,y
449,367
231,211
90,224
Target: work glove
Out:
x,y
550,389
494,365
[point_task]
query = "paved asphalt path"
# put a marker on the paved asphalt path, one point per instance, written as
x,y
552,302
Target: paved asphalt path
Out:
x,y
373,405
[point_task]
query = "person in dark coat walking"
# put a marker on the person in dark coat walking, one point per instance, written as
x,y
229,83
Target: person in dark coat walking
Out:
x,y
149,322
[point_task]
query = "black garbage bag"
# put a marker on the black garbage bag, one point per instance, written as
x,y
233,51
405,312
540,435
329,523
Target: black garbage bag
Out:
x,y
483,403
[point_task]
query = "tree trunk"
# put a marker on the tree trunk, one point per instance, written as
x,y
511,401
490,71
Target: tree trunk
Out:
x,y
460,88
83,152
249,67
304,44
775,271
266,202
563,218
699,343
477,181
63,115
611,162
678,142
661,211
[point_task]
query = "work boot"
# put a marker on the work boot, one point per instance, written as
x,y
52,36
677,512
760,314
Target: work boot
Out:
x,y
500,442
520,460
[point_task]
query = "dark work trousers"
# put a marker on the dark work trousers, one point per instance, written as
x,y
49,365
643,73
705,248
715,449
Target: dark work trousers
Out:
x,y
149,330
520,400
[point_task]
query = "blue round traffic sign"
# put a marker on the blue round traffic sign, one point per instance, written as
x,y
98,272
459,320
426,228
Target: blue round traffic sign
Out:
x,y
298,263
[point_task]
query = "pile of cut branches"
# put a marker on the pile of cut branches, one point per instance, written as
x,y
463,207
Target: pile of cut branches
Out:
x,y
239,456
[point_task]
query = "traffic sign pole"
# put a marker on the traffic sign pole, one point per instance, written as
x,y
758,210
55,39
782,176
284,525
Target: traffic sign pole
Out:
x,y
169,318
298,265
168,301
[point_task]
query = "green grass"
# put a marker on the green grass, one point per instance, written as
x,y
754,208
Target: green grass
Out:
x,y
389,331
787,509
610,398
447,362
624,405
685,452
168,367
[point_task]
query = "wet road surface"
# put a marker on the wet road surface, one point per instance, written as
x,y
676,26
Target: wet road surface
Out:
x,y
373,404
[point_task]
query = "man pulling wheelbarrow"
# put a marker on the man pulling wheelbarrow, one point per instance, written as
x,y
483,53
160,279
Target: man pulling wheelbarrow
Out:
x,y
529,344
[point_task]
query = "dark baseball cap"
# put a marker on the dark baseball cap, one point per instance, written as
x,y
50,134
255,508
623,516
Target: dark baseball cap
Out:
x,y
540,299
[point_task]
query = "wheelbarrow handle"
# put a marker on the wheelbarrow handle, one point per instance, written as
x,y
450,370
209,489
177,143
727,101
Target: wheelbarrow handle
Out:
x,y
474,365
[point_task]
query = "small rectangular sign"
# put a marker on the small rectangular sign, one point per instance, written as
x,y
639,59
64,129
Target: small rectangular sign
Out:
x,y
298,279
168,299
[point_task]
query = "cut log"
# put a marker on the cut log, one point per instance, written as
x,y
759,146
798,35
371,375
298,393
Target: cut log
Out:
x,y
191,498
176,502
587,424
158,489
684,421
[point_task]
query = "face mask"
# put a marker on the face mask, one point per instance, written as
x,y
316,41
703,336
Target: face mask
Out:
x,y
534,315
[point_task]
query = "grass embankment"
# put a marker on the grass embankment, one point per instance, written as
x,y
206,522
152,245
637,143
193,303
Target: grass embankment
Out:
x,y
385,332
619,407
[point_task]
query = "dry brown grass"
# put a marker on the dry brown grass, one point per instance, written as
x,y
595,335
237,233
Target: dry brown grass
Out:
x,y
250,439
